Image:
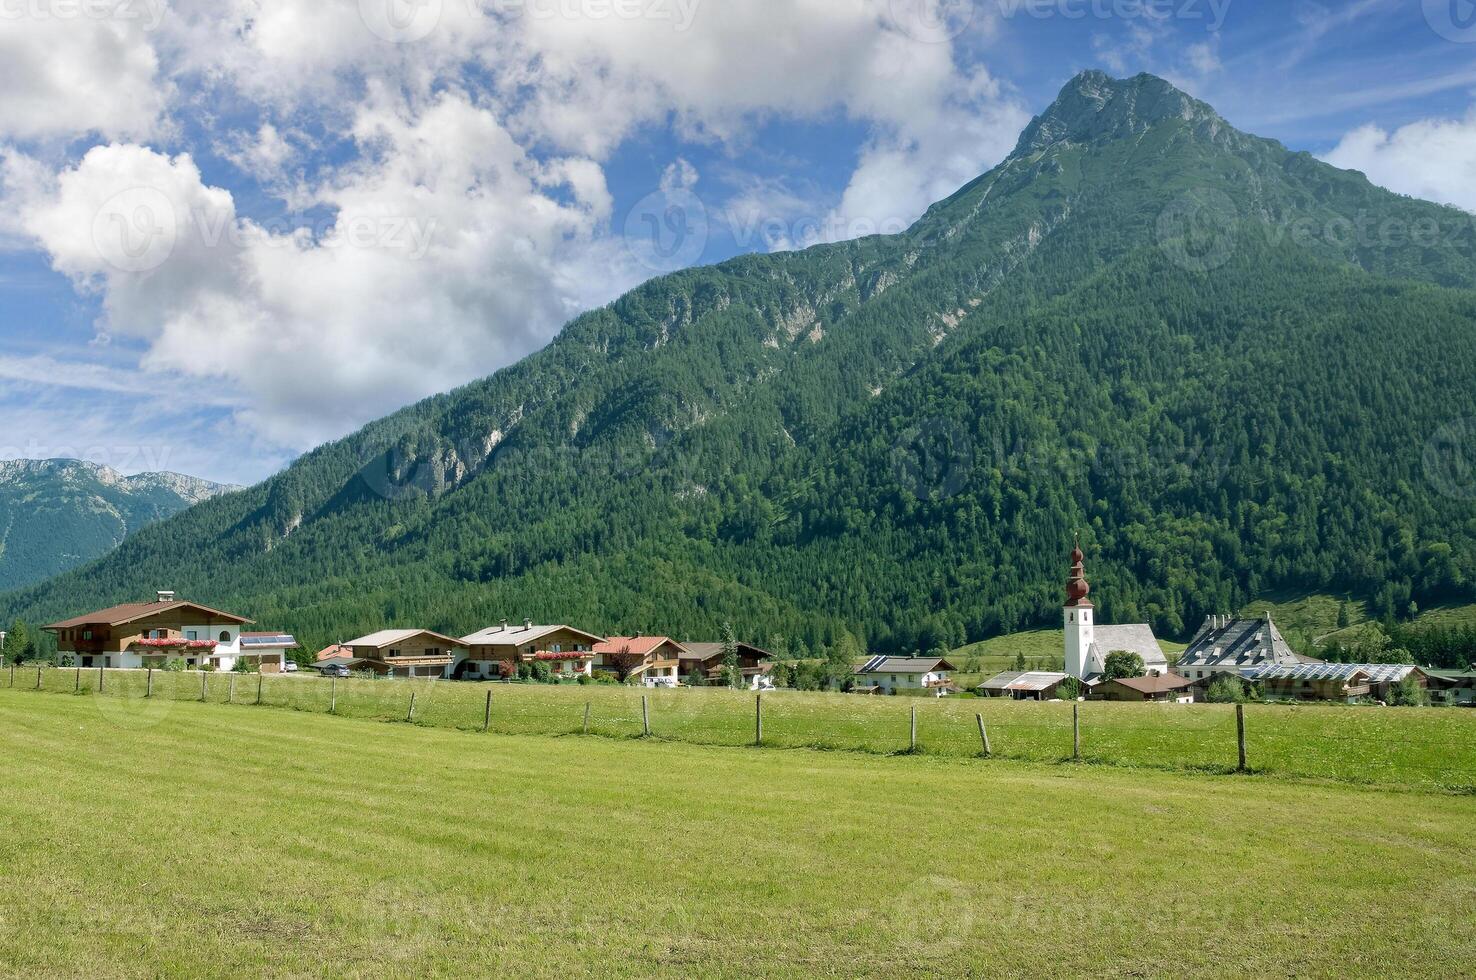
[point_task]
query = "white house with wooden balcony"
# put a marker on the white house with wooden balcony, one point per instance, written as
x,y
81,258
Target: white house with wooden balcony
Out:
x,y
405,653
891,675
136,635
497,652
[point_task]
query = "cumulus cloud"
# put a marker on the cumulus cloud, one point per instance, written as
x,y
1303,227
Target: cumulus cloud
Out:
x,y
447,256
1434,158
69,69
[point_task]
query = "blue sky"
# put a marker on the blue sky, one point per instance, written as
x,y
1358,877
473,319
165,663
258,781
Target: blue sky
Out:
x,y
327,209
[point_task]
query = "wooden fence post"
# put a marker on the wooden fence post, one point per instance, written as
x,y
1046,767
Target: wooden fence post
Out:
x,y
149,690
231,692
758,719
984,736
487,713
587,706
1076,731
204,689
77,684
259,679
38,677
912,732
100,678
12,674
410,718
646,715
1240,734
333,695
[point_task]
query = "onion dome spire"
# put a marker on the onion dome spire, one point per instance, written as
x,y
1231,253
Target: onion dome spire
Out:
x,y
1077,587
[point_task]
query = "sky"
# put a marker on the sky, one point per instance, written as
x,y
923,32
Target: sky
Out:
x,y
231,230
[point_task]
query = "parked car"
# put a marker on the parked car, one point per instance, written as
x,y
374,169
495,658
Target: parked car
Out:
x,y
290,667
335,670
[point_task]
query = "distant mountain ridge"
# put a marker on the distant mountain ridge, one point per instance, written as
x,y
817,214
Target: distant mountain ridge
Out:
x,y
59,513
1144,325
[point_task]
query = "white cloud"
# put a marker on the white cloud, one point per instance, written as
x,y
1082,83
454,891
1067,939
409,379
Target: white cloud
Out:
x,y
1433,159
65,72
448,257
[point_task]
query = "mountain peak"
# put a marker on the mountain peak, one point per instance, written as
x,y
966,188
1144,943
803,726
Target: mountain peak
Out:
x,y
1095,107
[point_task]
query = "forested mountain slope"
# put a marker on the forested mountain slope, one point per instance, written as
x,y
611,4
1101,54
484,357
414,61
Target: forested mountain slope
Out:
x,y
56,514
1144,324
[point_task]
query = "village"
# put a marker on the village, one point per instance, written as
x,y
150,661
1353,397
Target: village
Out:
x,y
1102,662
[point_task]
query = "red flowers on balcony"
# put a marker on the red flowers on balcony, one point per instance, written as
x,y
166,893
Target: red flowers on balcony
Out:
x,y
175,643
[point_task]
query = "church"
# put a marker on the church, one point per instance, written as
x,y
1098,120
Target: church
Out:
x,y
1088,643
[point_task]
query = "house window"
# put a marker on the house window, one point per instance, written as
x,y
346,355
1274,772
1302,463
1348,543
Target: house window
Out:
x,y
192,634
225,636
394,653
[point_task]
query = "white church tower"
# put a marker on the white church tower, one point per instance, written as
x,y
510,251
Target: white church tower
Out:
x,y
1079,620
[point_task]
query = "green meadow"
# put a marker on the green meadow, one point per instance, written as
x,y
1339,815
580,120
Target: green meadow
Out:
x,y
1428,749
177,839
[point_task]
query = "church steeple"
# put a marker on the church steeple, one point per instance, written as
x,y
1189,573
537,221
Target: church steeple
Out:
x,y
1078,615
1077,587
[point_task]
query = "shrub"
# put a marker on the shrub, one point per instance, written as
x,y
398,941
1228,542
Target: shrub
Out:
x,y
1226,689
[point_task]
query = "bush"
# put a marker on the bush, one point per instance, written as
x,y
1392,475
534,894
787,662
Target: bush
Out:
x,y
585,679
1409,694
1226,689
176,665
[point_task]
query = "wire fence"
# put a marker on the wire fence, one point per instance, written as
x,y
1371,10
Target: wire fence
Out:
x,y
1418,748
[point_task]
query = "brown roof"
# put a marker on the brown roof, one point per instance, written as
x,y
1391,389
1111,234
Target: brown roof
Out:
x,y
336,650
130,612
706,651
639,646
1155,685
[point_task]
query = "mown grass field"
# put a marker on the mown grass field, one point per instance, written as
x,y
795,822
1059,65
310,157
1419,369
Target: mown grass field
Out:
x,y
1431,749
207,840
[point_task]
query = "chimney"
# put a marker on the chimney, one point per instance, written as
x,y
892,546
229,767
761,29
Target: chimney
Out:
x,y
504,626
165,596
527,624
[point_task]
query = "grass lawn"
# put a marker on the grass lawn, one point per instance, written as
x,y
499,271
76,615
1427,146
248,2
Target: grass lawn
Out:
x,y
176,839
1431,748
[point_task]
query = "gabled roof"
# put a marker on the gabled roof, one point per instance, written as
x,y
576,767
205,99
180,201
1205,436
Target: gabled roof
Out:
x,y
130,612
337,651
1024,680
1223,642
516,635
388,638
1160,684
706,651
1135,638
903,665
637,646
